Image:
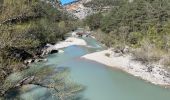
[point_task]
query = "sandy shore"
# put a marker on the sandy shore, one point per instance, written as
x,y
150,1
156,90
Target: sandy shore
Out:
x,y
68,42
125,63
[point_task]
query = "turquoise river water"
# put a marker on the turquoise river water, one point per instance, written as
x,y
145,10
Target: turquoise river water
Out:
x,y
101,82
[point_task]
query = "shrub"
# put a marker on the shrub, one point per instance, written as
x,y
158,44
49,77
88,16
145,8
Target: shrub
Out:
x,y
135,38
147,53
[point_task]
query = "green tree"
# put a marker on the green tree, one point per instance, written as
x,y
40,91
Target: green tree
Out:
x,y
26,25
94,21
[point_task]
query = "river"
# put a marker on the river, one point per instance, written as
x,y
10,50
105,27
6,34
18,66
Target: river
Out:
x,y
101,82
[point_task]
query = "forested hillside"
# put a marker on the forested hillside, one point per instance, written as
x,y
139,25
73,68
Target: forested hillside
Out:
x,y
99,4
25,26
142,25
28,25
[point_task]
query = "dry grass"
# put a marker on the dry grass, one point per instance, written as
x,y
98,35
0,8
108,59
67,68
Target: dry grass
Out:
x,y
148,54
165,61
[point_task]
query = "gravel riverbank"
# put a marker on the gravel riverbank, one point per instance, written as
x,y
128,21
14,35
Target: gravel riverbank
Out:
x,y
157,75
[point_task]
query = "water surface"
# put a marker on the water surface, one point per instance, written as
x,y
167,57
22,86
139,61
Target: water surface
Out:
x,y
101,82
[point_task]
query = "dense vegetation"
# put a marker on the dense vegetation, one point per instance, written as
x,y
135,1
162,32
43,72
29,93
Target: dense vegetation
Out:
x,y
25,26
99,4
142,25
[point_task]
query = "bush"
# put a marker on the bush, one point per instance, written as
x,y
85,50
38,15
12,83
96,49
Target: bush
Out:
x,y
135,38
148,53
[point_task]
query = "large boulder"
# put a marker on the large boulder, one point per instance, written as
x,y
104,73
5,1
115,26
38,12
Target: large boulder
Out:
x,y
53,51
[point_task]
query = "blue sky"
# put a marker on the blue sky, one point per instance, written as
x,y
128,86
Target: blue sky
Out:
x,y
63,2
